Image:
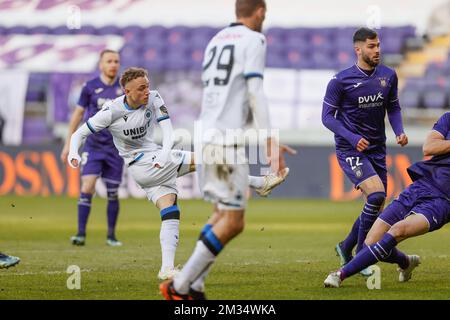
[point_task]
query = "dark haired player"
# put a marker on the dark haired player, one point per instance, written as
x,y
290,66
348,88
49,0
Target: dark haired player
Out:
x,y
354,108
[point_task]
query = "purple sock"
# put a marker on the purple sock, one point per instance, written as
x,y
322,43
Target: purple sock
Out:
x,y
369,255
368,216
113,208
84,208
352,239
399,258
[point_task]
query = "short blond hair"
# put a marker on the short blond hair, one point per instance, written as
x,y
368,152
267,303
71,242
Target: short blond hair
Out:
x,y
131,74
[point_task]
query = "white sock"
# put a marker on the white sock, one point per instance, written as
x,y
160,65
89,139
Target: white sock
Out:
x,y
201,259
199,284
256,182
169,241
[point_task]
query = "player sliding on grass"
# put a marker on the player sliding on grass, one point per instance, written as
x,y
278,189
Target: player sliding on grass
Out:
x,y
131,119
422,207
355,104
232,75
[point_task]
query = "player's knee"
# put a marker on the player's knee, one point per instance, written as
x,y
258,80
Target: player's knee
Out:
x,y
399,230
237,226
376,198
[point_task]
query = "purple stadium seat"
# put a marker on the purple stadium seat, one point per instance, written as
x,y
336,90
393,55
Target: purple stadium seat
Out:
x,y
88,29
434,70
410,97
133,33
131,56
178,35
299,60
61,30
155,35
196,59
35,131
324,60
39,30
435,99
392,44
154,60
109,30
17,30
200,37
177,60
276,36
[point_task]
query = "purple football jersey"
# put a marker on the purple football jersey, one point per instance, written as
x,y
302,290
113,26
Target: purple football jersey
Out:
x,y
361,100
436,171
93,95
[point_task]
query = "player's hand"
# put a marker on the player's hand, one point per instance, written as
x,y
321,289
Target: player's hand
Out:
x,y
64,154
276,155
74,160
402,139
362,145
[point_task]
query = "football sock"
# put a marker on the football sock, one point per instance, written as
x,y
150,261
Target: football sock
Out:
x,y
256,182
368,216
352,239
112,208
202,258
169,235
398,257
379,251
199,283
84,208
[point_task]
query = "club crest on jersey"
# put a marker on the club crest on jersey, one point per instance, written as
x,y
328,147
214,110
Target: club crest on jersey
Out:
x,y
148,114
358,171
163,110
383,82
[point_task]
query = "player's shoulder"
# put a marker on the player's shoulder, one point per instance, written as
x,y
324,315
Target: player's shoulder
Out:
x,y
154,95
115,106
344,73
92,83
385,70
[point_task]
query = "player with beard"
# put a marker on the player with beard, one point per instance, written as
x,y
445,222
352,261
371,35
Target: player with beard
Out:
x,y
354,108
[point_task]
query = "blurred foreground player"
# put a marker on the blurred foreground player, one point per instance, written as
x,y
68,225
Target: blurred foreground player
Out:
x,y
421,208
354,108
100,157
233,71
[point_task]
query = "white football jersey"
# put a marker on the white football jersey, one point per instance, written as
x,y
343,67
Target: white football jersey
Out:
x,y
132,129
233,55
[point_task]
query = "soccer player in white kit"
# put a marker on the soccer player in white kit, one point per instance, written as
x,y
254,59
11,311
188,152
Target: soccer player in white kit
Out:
x,y
232,75
131,119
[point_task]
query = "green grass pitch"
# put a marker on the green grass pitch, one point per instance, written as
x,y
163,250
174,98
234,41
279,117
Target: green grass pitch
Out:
x,y
285,252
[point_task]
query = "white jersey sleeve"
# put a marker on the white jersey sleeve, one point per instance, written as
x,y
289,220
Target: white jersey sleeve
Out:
x,y
255,53
101,119
159,107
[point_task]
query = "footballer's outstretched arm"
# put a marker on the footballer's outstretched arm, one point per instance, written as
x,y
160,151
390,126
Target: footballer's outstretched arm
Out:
x,y
76,140
99,121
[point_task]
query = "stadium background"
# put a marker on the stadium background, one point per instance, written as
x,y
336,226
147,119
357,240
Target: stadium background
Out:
x,y
48,48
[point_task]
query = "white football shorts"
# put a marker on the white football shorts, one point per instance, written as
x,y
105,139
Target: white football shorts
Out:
x,y
223,176
160,182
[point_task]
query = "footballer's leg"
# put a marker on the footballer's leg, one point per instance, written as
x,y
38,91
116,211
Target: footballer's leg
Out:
x,y
84,208
229,225
263,185
112,175
169,234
